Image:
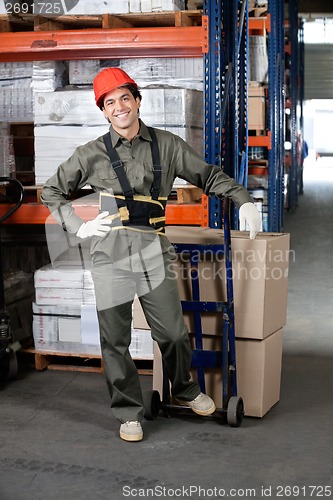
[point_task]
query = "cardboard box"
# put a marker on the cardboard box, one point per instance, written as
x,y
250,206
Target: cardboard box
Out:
x,y
258,372
260,279
256,108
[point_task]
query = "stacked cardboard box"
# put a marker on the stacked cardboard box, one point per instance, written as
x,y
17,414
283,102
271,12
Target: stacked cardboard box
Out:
x,y
260,282
256,106
65,317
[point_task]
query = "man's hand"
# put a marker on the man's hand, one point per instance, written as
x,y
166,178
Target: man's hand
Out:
x,y
248,213
96,227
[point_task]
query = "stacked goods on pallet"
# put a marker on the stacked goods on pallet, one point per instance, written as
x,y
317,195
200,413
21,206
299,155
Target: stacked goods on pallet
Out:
x,y
19,294
257,122
47,76
256,107
70,117
66,117
260,282
92,7
7,158
65,318
16,92
172,97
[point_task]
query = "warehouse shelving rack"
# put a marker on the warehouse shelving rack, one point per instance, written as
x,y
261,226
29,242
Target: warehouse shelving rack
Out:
x,y
222,39
177,41
273,140
295,33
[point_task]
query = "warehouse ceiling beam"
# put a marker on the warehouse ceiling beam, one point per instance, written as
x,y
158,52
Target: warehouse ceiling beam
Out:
x,y
187,41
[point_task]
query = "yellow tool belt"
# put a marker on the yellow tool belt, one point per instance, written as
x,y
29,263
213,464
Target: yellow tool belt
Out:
x,y
140,213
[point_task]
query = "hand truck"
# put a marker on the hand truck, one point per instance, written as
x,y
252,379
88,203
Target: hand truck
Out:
x,y
8,348
232,411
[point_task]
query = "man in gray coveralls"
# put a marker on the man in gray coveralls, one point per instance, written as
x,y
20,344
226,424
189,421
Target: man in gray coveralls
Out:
x,y
133,168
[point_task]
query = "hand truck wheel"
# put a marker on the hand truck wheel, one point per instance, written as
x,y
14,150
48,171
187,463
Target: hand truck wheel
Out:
x,y
235,411
152,404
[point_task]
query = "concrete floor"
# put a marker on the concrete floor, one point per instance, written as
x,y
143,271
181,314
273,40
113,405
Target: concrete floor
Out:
x,y
58,440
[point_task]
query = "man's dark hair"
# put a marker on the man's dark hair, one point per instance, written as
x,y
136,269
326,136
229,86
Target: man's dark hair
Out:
x,y
132,88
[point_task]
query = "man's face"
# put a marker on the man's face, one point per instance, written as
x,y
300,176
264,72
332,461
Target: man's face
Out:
x,y
121,109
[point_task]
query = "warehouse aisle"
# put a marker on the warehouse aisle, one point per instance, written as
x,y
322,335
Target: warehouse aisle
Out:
x,y
58,439
310,299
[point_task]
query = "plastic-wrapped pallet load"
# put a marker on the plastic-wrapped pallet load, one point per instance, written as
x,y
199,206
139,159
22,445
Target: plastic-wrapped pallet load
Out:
x,y
72,118
93,7
47,76
7,158
256,106
15,92
47,139
182,72
65,317
258,58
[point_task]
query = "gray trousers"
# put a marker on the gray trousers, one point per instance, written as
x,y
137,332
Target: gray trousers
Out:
x,y
159,297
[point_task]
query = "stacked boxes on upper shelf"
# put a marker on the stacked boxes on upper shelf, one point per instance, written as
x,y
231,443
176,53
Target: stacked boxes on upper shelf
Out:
x,y
15,92
95,7
257,117
172,100
7,158
65,317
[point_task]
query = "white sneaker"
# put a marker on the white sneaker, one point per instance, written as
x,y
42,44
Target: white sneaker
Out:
x,y
202,404
131,431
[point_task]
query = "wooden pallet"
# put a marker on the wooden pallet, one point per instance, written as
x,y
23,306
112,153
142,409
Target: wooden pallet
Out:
x,y
61,361
30,22
188,194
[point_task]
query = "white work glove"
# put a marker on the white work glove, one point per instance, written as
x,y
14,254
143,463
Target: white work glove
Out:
x,y
248,213
96,227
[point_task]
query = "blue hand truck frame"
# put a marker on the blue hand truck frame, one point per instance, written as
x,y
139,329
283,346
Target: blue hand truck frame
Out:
x,y
232,410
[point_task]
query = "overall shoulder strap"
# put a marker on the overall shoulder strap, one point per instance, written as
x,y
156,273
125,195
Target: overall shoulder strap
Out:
x,y
157,169
118,166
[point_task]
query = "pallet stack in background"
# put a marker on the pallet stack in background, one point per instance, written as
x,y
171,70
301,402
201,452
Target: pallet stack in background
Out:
x,y
15,92
7,158
172,100
93,7
65,318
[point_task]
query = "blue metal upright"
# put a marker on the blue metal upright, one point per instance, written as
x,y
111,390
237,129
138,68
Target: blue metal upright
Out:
x,y
225,127
276,102
294,98
213,96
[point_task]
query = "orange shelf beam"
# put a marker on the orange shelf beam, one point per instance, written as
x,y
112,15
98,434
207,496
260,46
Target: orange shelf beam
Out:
x,y
263,141
187,41
260,24
35,213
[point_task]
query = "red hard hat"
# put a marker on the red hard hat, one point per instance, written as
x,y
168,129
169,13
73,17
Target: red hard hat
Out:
x,y
109,79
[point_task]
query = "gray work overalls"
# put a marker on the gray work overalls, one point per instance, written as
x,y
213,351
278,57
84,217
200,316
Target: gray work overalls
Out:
x,y
150,275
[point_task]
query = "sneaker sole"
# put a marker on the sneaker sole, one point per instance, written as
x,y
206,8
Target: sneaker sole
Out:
x,y
131,437
203,413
